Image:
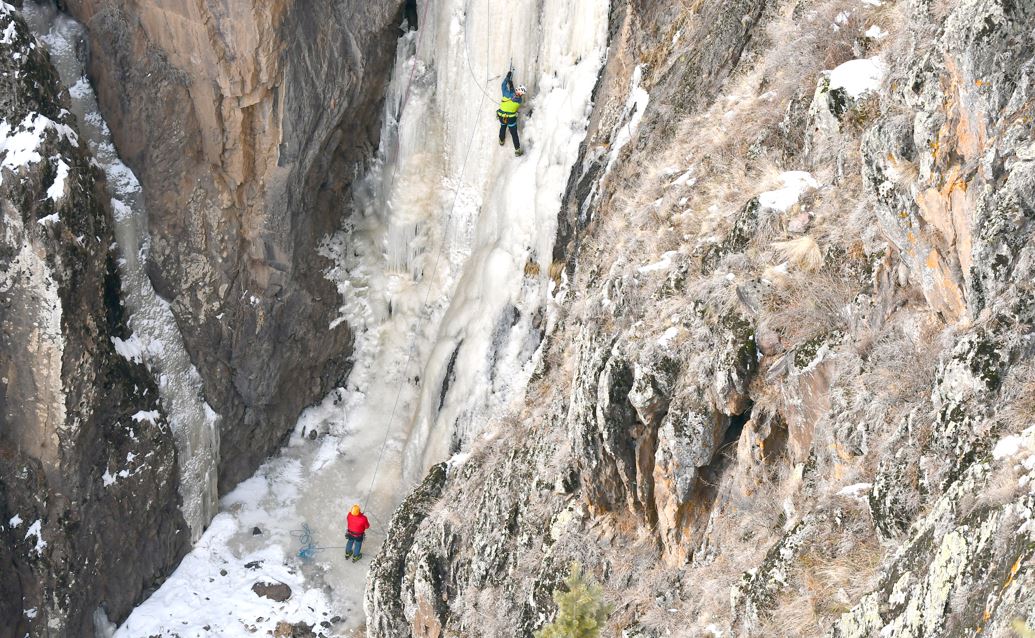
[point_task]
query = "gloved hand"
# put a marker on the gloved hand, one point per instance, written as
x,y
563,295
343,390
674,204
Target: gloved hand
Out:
x,y
509,74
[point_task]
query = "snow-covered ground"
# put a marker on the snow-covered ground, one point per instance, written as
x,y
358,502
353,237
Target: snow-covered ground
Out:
x,y
443,271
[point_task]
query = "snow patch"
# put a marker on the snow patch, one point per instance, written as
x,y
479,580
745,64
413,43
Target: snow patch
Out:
x,y
81,89
858,77
9,32
57,189
633,113
1008,446
119,210
15,521
684,180
666,337
795,184
457,461
19,143
210,593
857,490
875,33
36,529
151,416
662,264
1020,450
131,349
248,493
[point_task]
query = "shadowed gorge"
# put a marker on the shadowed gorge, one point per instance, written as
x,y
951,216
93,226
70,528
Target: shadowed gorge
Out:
x,y
246,126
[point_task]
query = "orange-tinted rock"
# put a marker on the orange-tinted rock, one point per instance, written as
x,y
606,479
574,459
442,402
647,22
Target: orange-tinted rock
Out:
x,y
246,123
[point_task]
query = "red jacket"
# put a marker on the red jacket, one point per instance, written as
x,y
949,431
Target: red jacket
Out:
x,y
357,524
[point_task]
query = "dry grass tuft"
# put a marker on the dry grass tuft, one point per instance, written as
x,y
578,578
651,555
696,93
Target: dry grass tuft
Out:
x,y
839,564
803,252
1019,412
808,305
902,362
556,269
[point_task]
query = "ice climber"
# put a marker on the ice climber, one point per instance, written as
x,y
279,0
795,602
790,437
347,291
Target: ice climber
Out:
x,y
356,525
507,113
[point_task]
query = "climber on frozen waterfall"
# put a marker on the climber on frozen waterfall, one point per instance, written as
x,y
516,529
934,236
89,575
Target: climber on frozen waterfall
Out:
x,y
507,113
356,525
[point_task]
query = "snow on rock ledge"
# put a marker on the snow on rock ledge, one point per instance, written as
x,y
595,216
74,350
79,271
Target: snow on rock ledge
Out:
x,y
795,184
857,77
837,102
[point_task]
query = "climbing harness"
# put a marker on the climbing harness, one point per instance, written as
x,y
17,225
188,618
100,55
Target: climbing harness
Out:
x,y
508,109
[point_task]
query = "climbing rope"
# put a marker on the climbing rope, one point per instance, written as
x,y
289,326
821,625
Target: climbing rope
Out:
x,y
307,541
305,537
427,296
467,54
309,548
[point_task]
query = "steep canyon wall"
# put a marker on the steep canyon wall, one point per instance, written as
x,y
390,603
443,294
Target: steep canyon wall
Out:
x,y
247,124
89,508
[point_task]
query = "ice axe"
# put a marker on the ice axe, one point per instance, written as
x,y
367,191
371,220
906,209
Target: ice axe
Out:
x,y
510,69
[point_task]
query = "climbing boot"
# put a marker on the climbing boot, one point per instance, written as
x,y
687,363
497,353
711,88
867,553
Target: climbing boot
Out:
x,y
348,554
518,152
356,557
502,142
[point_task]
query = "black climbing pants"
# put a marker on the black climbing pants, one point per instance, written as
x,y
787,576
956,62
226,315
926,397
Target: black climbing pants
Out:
x,y
513,133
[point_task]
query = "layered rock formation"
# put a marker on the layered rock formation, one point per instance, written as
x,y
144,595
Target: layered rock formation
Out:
x,y
775,402
246,124
89,516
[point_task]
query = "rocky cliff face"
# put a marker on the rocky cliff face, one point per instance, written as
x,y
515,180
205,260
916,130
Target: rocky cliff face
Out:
x,y
89,515
246,124
788,391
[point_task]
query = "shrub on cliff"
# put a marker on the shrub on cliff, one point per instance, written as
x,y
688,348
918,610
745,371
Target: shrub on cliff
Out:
x,y
580,612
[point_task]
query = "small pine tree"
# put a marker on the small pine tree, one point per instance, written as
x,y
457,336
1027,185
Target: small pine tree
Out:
x,y
580,612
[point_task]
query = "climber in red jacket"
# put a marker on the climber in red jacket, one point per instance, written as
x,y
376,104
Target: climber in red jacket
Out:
x,y
357,524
